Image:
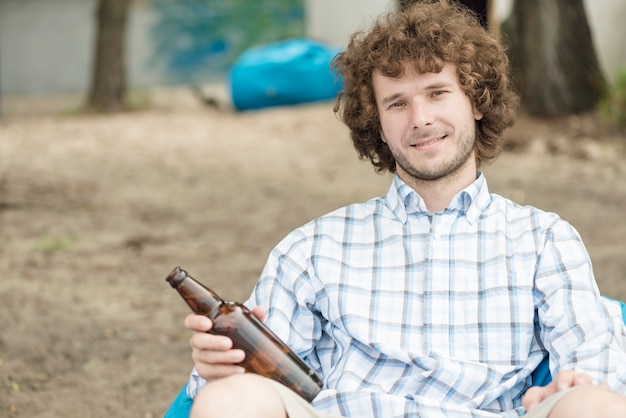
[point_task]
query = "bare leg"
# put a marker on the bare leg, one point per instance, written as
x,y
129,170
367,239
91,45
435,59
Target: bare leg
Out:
x,y
589,402
245,396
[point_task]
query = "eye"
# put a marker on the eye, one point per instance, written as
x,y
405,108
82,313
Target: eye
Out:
x,y
396,105
437,93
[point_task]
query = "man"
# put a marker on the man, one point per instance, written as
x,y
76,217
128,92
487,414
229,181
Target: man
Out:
x,y
439,299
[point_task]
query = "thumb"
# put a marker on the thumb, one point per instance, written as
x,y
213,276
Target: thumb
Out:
x,y
259,312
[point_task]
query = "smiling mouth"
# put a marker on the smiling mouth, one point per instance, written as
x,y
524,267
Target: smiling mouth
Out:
x,y
429,142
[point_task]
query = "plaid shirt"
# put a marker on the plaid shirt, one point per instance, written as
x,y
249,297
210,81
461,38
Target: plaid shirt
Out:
x,y
405,313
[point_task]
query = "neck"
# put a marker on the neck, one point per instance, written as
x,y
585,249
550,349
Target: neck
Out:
x,y
438,194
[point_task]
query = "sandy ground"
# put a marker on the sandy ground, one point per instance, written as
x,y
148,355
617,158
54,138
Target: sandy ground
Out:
x,y
95,211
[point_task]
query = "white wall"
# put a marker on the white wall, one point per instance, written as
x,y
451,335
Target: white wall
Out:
x,y
607,19
333,21
46,46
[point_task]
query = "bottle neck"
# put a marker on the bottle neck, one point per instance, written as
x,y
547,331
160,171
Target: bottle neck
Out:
x,y
200,299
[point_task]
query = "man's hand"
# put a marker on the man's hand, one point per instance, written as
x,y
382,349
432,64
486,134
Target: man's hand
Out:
x,y
213,355
564,380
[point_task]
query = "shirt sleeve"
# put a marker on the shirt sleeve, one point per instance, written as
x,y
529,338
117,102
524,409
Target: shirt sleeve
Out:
x,y
579,328
196,382
285,291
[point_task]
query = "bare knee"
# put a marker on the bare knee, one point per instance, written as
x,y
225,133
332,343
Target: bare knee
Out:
x,y
589,402
247,395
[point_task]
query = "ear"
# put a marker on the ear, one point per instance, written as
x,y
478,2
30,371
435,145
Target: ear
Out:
x,y
477,115
382,136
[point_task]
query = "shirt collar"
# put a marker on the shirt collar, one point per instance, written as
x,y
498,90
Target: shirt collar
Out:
x,y
471,201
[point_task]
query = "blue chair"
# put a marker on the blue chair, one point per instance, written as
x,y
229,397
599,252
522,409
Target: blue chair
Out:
x,y
181,406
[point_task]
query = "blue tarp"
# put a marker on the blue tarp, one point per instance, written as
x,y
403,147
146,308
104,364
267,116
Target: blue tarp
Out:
x,y
284,73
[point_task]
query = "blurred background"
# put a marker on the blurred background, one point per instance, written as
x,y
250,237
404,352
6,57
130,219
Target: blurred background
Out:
x,y
51,47
124,153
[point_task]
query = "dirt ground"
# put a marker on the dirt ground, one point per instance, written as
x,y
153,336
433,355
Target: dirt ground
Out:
x,y
95,211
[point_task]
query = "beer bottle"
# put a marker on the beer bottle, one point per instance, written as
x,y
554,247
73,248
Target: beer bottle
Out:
x,y
266,354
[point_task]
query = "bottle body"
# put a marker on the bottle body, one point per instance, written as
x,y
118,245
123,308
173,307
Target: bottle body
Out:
x,y
266,354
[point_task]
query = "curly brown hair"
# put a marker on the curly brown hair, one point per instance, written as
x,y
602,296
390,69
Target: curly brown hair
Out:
x,y
427,35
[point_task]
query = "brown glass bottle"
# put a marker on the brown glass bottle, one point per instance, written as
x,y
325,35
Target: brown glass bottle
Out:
x,y
266,354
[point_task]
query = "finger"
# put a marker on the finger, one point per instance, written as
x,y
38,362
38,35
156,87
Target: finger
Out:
x,y
259,312
216,371
227,357
198,323
533,397
215,364
582,379
210,342
565,379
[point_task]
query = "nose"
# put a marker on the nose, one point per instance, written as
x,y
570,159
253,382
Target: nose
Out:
x,y
422,114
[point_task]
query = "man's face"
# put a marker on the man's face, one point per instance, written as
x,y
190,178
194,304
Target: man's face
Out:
x,y
428,122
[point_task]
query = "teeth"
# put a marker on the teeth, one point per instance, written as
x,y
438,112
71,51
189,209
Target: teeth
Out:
x,y
429,142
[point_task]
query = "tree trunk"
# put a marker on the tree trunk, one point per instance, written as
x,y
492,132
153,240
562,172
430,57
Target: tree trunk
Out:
x,y
108,83
554,62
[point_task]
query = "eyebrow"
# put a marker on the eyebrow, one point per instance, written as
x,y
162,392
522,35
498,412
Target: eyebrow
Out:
x,y
391,99
439,85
